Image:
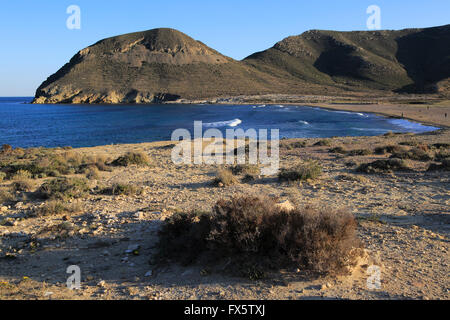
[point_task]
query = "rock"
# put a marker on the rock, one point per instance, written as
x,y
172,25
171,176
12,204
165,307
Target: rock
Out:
x,y
139,215
132,248
3,209
285,205
101,283
18,205
148,273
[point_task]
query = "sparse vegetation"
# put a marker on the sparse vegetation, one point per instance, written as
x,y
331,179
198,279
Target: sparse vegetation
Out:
x,y
445,165
64,188
359,152
255,234
290,145
56,207
323,143
338,149
389,149
308,170
122,189
136,158
416,153
23,185
225,177
386,165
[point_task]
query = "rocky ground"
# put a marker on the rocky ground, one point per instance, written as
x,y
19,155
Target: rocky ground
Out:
x,y
403,222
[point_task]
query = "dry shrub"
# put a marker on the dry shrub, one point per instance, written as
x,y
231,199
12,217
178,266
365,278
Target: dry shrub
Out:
x,y
122,189
136,158
56,207
338,149
290,145
92,172
64,188
2,176
359,152
441,145
445,165
21,174
323,143
6,148
23,185
224,177
306,171
6,196
387,165
442,155
255,233
389,149
416,153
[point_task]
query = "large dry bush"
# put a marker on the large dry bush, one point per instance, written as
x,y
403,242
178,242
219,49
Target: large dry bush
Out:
x,y
384,165
64,188
309,170
136,158
253,231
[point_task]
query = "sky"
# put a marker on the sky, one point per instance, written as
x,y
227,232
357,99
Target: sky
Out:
x,y
36,41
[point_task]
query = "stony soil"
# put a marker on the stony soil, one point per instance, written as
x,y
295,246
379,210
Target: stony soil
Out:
x,y
403,222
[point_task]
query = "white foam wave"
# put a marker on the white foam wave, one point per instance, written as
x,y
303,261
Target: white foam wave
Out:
x,y
413,126
229,123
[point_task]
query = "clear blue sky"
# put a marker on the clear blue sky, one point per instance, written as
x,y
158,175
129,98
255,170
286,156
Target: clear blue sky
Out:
x,y
36,41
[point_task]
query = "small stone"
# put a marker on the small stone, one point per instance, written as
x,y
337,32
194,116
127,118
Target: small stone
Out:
x,y
101,283
132,248
148,274
285,205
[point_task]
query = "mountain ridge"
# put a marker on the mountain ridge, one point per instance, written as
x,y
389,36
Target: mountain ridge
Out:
x,y
165,64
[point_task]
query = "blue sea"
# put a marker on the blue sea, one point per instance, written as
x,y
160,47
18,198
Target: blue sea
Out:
x,y
26,125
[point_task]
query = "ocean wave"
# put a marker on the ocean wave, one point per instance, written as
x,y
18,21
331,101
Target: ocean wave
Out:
x,y
410,125
218,124
259,106
303,122
369,129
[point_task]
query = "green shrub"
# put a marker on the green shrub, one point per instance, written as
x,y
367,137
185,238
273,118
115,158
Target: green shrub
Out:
x,y
137,158
254,234
309,170
64,188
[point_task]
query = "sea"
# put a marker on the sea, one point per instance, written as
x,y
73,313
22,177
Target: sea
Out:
x,y
47,125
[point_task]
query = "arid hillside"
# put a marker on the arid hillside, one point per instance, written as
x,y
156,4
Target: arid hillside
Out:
x,y
166,65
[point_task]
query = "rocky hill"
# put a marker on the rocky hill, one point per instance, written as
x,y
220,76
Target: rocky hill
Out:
x,y
165,65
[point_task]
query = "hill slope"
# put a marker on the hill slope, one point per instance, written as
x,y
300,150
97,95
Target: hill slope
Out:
x,y
149,66
410,60
165,65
